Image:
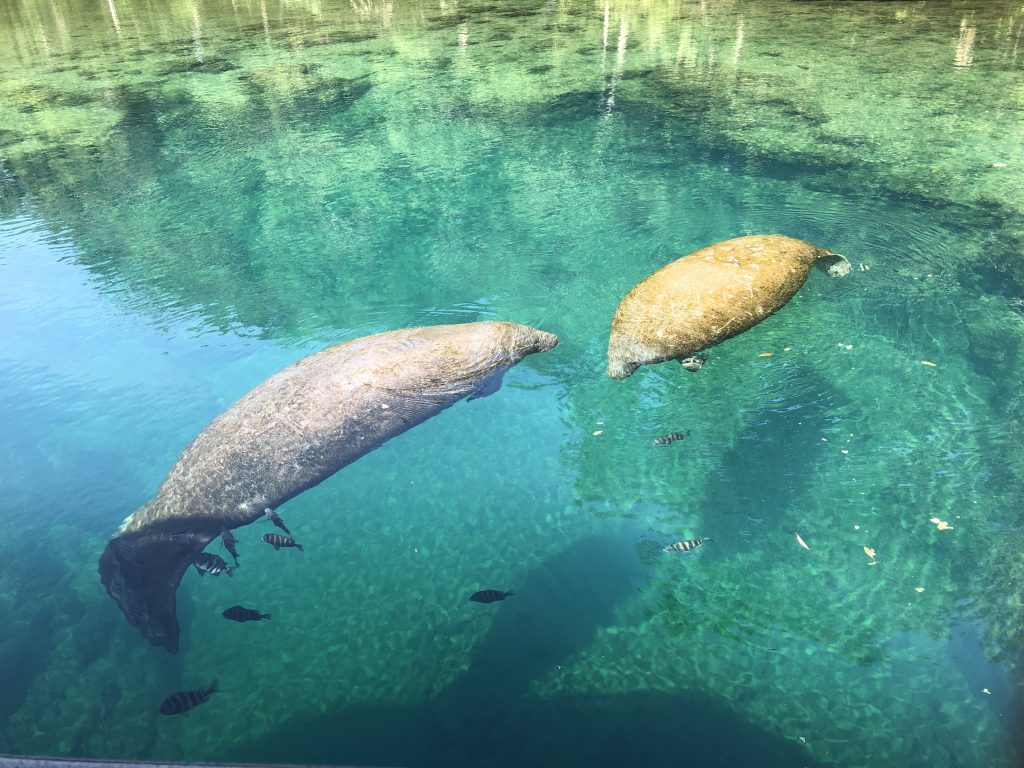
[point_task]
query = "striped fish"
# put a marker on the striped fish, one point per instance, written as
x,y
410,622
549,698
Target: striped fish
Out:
x,y
686,546
276,540
181,702
671,437
489,596
273,517
207,562
238,613
229,540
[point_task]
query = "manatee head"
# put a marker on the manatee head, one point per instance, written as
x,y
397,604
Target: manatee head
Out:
x,y
527,341
619,369
448,354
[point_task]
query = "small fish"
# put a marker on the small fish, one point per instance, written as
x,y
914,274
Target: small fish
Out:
x,y
273,517
489,595
686,546
238,613
671,437
229,540
276,540
181,702
207,562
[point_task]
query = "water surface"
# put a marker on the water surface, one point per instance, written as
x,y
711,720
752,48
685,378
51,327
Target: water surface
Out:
x,y
196,194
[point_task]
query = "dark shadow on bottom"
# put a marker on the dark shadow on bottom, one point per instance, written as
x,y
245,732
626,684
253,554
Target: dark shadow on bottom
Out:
x,y
650,729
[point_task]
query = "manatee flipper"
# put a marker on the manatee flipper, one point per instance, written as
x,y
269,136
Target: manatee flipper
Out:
x,y
491,384
692,363
141,571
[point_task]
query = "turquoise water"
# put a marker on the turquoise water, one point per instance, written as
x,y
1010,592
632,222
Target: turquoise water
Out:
x,y
193,196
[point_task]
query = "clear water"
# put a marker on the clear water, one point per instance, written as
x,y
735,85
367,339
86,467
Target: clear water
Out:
x,y
194,194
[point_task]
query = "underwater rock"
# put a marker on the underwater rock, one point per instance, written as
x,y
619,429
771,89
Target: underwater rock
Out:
x,y
709,296
290,433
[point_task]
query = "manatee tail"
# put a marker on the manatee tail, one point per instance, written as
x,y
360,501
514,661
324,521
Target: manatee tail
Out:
x,y
832,264
141,570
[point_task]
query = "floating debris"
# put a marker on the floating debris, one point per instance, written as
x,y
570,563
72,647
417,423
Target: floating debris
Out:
x,y
869,552
986,690
489,595
928,362
598,433
765,354
786,349
802,543
942,525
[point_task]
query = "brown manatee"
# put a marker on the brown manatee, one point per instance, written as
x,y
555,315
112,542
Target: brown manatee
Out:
x,y
291,432
709,296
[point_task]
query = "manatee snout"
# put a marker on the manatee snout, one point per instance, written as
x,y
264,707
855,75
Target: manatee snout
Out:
x,y
619,369
543,341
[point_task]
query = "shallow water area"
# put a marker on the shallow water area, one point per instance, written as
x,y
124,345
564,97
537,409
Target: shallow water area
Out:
x,y
194,195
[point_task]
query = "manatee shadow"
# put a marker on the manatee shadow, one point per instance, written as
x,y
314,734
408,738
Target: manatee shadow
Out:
x,y
767,469
643,728
489,716
42,603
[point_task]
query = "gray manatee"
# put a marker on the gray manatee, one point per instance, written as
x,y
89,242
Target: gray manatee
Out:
x,y
709,296
291,432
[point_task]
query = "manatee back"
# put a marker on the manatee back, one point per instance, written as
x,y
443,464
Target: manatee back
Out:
x,y
323,412
705,298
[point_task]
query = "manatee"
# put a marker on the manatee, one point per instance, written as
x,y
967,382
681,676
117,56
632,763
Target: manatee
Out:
x,y
709,296
290,433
